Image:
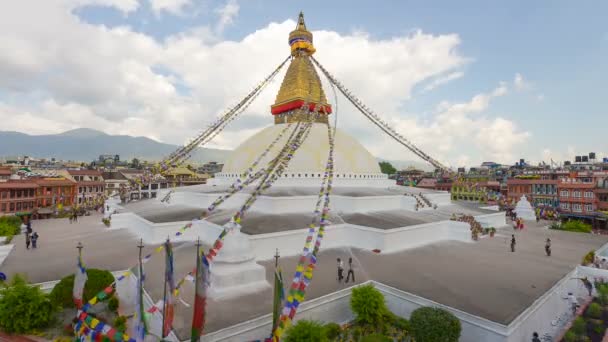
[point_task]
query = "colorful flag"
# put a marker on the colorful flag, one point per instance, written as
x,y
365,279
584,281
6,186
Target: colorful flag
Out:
x,y
139,320
80,279
279,296
200,296
169,305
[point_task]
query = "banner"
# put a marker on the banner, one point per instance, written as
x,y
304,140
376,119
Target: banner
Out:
x,y
80,279
279,296
169,304
139,322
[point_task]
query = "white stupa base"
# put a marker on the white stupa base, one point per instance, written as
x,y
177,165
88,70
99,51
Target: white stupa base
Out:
x,y
234,271
235,280
524,209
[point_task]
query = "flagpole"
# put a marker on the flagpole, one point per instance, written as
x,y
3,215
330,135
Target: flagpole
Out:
x,y
139,285
198,267
162,331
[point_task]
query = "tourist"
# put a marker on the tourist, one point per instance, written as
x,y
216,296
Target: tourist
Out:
x,y
35,240
71,217
512,242
27,240
573,303
350,270
535,337
340,270
588,285
548,247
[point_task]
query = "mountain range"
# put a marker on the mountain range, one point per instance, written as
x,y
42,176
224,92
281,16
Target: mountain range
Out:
x,y
85,144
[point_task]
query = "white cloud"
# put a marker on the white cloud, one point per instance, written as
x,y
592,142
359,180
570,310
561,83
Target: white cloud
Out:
x,y
520,83
227,14
170,6
125,6
443,80
60,72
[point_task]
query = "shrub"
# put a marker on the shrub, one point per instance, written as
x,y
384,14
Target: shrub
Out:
x,y
332,330
570,336
598,326
376,338
304,331
555,225
589,258
10,225
368,304
402,324
24,308
96,282
576,226
433,324
579,326
602,293
594,310
357,332
106,221
113,304
120,323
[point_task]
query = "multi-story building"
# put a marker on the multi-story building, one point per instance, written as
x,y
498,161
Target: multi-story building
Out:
x,y
54,194
577,198
17,196
90,186
544,193
5,173
142,185
115,182
518,187
211,168
182,176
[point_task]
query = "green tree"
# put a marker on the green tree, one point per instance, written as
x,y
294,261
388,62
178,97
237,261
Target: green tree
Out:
x,y
10,225
96,282
387,168
24,308
305,331
369,306
434,325
332,331
376,338
135,163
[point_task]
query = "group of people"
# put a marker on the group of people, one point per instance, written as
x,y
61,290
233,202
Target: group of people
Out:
x,y
350,272
73,216
518,223
547,245
31,237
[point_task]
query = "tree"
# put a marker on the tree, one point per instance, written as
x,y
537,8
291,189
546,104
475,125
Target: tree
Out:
x,y
387,168
305,331
96,282
369,306
24,308
434,325
135,163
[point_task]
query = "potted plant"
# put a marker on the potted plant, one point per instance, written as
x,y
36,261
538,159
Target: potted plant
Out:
x,y
492,231
486,231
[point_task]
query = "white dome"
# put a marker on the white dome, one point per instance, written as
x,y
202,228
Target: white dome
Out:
x,y
350,157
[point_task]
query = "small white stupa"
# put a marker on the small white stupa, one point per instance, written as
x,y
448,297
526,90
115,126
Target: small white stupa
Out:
x,y
524,209
234,272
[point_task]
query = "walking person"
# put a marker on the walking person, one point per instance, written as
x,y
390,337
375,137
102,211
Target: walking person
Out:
x,y
548,247
512,242
535,337
35,240
340,270
573,303
588,285
27,240
350,270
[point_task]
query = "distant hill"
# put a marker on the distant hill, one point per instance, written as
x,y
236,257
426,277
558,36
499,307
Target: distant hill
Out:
x,y
84,144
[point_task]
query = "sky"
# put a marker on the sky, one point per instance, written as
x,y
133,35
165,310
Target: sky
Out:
x,y
466,81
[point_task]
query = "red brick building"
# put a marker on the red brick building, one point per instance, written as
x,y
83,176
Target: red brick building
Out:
x,y
577,197
5,173
17,196
54,193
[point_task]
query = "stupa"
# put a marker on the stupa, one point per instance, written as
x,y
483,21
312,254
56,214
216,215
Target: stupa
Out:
x,y
524,209
353,164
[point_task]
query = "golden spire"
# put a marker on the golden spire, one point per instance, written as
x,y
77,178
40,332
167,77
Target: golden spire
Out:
x,y
301,82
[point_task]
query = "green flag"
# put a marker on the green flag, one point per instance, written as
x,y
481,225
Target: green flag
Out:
x,y
279,295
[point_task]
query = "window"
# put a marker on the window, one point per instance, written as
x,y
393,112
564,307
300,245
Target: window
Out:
x,y
31,192
577,207
564,193
588,207
3,207
12,207
3,194
18,206
576,194
565,206
588,194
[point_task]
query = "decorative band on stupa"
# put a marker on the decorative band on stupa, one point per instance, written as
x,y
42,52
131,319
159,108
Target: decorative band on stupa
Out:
x,y
301,83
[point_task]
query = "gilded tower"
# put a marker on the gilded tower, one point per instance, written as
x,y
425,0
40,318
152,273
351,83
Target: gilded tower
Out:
x,y
301,83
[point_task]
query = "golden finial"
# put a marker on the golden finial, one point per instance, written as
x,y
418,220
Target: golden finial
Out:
x,y
300,39
301,25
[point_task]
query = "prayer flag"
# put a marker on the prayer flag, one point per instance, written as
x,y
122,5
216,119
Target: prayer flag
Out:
x,y
139,321
279,296
169,305
200,296
80,279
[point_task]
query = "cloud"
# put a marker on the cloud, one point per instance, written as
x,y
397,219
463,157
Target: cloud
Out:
x,y
227,14
520,83
175,7
125,82
443,80
125,6
540,97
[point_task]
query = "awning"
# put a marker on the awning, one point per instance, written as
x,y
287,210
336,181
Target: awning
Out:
x,y
23,213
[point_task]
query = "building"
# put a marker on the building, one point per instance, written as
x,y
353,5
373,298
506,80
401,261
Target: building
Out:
x,y
182,176
90,186
142,185
211,168
544,193
54,194
5,173
18,196
577,197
